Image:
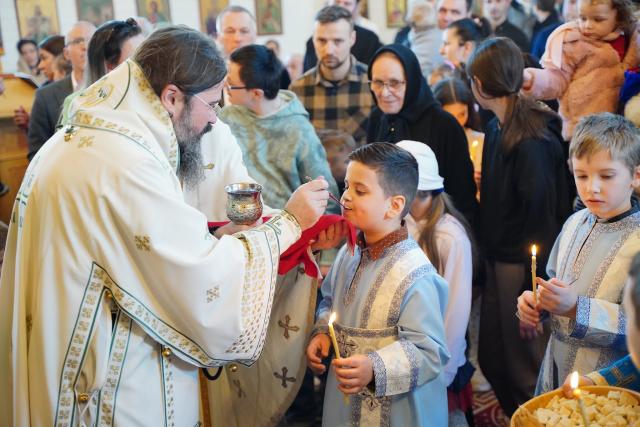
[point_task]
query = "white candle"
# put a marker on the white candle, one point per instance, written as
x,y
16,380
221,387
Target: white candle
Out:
x,y
332,334
533,273
574,381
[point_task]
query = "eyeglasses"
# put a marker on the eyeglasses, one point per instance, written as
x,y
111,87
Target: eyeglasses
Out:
x,y
80,41
393,85
231,87
215,107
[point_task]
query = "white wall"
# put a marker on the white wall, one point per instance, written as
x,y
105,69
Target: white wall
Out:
x,y
297,17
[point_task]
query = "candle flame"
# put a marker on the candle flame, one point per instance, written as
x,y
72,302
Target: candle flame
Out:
x,y
533,250
474,144
332,318
574,381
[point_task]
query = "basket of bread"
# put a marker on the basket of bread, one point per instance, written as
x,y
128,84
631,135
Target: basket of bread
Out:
x,y
601,406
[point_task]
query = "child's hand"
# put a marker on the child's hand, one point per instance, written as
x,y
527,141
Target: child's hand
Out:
x,y
527,312
331,237
317,350
566,387
353,373
528,332
557,297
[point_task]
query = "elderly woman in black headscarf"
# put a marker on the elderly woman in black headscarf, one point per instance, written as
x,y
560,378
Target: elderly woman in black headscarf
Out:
x,y
406,109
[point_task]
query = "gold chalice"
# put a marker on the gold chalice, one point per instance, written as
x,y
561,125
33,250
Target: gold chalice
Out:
x,y
244,204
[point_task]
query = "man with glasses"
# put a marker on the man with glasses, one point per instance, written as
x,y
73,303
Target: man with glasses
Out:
x,y
47,104
113,294
335,92
236,28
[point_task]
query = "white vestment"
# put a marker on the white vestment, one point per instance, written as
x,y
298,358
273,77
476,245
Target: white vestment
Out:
x,y
113,292
223,165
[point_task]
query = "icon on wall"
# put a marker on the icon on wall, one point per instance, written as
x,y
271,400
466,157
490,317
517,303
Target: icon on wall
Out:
x,y
269,17
156,11
37,19
396,11
95,11
209,10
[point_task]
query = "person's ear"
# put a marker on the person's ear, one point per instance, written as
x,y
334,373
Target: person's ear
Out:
x,y
65,53
172,99
467,48
636,179
352,38
109,66
396,206
257,93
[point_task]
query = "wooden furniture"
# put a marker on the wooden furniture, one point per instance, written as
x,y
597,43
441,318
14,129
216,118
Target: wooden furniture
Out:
x,y
13,141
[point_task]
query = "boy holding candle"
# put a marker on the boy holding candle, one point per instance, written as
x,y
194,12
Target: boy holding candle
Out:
x,y
389,303
592,254
624,372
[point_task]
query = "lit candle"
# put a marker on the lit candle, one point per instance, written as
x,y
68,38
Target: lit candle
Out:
x,y
533,273
334,341
474,147
575,379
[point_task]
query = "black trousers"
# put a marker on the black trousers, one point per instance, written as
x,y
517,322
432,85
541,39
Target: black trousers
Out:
x,y
510,363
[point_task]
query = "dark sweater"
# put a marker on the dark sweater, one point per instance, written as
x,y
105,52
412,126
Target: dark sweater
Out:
x,y
523,196
507,29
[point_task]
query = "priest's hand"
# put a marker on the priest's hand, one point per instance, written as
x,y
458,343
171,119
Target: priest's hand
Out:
x,y
353,373
317,350
309,202
233,228
557,297
566,387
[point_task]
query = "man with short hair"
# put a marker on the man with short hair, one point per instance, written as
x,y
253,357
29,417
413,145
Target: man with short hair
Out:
x,y
452,10
236,28
47,104
365,45
113,294
336,92
496,12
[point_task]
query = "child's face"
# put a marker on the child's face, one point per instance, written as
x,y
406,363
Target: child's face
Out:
x,y
604,185
368,208
632,332
458,110
597,18
420,206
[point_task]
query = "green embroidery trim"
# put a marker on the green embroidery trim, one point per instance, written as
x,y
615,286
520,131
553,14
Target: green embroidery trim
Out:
x,y
127,88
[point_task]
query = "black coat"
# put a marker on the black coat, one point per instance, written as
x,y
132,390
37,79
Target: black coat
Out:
x,y
524,195
422,119
45,113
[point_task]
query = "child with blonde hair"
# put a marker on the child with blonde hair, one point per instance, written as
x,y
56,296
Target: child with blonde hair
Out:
x,y
590,259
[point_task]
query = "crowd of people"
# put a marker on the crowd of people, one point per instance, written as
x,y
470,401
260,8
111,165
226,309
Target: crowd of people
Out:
x,y
484,131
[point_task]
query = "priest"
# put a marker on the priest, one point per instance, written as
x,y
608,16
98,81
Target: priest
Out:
x,y
113,293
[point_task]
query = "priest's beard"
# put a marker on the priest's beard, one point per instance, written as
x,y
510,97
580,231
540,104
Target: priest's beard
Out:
x,y
191,170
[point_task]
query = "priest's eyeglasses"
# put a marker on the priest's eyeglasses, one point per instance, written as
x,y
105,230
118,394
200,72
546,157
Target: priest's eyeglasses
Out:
x,y
393,85
214,106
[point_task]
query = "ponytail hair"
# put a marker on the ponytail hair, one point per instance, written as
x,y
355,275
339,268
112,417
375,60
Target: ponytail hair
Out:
x,y
498,64
441,204
471,29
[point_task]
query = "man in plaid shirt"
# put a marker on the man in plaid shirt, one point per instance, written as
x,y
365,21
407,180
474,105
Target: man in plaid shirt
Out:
x,y
336,91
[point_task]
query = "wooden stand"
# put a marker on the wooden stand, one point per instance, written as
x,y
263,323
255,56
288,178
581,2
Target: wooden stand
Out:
x,y
13,141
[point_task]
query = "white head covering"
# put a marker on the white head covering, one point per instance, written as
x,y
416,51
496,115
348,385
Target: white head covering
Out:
x,y
428,176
